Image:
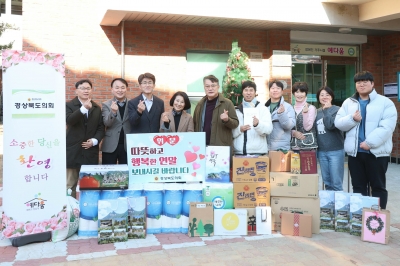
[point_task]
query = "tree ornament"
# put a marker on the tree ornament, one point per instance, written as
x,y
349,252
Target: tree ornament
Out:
x,y
377,229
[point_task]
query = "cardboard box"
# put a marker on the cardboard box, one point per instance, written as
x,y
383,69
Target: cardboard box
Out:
x,y
250,169
218,164
357,203
293,185
308,162
113,220
230,222
251,219
248,195
201,219
220,194
296,224
327,209
279,161
103,177
263,220
295,163
298,205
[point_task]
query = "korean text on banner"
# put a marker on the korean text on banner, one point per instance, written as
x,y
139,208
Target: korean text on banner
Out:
x,y
34,146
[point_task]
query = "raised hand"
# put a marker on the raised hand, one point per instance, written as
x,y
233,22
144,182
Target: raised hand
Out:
x,y
164,117
357,116
114,107
255,121
224,116
141,106
281,109
88,104
327,105
305,108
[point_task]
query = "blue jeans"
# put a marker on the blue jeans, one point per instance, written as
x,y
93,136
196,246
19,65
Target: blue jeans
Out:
x,y
332,169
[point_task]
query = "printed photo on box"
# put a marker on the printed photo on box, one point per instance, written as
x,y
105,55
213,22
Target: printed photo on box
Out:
x,y
327,209
113,221
103,177
217,164
137,217
357,203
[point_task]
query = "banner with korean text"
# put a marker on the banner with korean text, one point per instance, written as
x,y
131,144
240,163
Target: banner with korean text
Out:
x,y
166,157
34,162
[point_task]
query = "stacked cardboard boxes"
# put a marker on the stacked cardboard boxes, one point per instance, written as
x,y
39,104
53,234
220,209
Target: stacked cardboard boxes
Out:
x,y
292,191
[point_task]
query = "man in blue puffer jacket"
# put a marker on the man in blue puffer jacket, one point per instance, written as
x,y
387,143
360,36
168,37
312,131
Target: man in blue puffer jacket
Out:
x,y
369,120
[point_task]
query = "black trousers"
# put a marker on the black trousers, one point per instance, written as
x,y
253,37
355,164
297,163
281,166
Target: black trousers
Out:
x,y
119,155
366,169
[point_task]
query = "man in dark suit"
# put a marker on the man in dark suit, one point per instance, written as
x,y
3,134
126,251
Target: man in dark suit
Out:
x,y
146,109
85,130
115,118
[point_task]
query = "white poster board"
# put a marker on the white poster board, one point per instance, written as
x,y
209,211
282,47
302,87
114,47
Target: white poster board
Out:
x,y
34,163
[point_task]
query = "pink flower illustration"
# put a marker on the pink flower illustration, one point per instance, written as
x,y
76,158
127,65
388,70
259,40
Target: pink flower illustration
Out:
x,y
54,222
76,212
8,231
19,225
37,230
62,215
61,225
29,227
40,58
12,223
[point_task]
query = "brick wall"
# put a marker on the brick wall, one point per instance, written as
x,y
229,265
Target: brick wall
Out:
x,y
381,56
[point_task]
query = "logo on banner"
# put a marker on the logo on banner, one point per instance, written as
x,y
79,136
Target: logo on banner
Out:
x,y
37,203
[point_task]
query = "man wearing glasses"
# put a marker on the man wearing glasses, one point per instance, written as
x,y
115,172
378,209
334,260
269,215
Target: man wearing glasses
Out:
x,y
146,109
85,130
369,120
215,115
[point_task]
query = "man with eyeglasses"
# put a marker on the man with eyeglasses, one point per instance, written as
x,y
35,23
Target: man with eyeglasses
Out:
x,y
215,115
115,118
85,130
146,109
369,120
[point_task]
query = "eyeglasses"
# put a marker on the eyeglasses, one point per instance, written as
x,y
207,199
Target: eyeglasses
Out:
x,y
364,82
211,86
146,83
85,89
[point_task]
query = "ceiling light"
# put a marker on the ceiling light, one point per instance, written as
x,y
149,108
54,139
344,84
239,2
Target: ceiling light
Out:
x,y
344,30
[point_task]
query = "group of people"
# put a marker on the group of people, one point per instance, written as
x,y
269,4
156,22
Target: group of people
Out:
x,y
362,127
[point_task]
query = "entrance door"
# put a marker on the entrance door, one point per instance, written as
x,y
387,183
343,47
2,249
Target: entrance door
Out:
x,y
340,78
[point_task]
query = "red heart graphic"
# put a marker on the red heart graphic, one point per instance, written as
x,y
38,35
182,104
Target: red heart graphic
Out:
x,y
172,140
160,140
190,156
201,156
194,174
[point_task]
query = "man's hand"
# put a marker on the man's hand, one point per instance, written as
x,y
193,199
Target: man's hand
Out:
x,y
88,104
114,107
87,144
255,121
357,116
245,128
281,109
299,135
141,106
364,146
224,116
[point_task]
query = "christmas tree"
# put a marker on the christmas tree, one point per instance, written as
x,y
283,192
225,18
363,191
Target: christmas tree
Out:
x,y
237,71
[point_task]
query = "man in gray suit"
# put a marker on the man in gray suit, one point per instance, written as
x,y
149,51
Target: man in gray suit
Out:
x,y
115,118
146,109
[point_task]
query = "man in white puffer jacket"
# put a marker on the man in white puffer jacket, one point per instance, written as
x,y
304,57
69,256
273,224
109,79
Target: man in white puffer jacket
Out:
x,y
369,120
250,138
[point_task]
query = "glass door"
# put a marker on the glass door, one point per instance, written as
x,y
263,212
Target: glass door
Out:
x,y
340,78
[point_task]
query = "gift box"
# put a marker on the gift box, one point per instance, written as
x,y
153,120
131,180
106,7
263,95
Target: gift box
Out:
x,y
293,185
295,163
279,161
230,222
137,212
220,194
218,164
308,162
247,195
357,203
201,219
103,177
375,226
113,221
250,169
342,211
296,224
327,209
